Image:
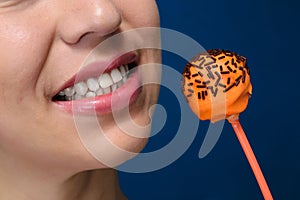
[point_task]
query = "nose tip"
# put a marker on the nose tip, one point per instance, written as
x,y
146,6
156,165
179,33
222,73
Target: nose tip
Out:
x,y
105,20
90,19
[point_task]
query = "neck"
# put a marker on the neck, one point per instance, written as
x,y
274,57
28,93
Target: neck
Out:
x,y
97,184
88,185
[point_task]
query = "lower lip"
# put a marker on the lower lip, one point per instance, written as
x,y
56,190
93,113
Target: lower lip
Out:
x,y
104,104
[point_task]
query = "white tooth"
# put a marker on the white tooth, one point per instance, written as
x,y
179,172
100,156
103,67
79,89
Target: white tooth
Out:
x,y
106,90
119,84
61,93
124,79
69,91
99,92
126,68
114,87
81,88
90,94
77,97
105,80
92,84
116,75
123,71
68,98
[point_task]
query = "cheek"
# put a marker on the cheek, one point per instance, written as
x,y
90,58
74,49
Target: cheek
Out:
x,y
139,13
22,58
21,61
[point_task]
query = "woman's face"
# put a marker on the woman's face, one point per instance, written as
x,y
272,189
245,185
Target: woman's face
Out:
x,y
43,45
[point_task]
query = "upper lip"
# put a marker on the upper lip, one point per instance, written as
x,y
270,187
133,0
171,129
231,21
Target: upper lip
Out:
x,y
97,68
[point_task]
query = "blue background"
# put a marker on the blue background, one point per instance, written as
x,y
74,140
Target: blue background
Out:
x,y
267,33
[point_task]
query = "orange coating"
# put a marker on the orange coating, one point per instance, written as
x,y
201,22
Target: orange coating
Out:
x,y
235,84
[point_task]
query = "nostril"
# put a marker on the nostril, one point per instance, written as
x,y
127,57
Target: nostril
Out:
x,y
84,35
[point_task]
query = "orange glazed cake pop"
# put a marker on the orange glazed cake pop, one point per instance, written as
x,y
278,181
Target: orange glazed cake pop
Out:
x,y
217,85
212,74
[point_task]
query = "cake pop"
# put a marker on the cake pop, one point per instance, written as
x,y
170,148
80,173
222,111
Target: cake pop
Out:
x,y
212,73
213,77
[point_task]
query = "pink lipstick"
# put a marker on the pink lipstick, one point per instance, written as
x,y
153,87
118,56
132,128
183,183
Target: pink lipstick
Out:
x,y
101,87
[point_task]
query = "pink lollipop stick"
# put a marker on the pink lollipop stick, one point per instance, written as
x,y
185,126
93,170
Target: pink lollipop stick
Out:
x,y
238,129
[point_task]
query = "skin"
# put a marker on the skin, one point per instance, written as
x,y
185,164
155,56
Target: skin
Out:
x,y
43,43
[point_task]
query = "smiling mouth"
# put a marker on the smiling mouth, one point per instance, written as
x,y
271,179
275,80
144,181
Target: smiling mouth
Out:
x,y
107,82
101,87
